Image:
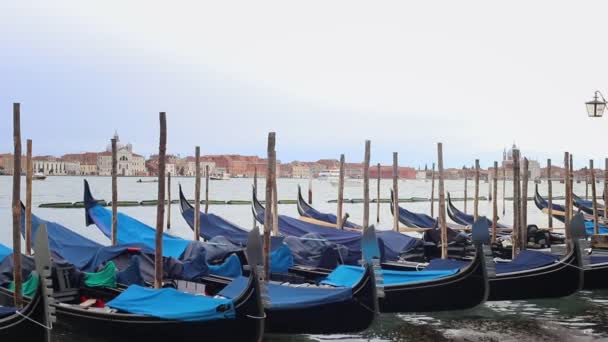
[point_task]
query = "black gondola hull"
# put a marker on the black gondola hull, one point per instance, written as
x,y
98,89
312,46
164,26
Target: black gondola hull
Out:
x,y
596,277
248,325
553,281
19,328
463,290
354,315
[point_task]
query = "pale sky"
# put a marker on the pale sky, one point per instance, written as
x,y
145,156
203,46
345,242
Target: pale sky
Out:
x,y
325,75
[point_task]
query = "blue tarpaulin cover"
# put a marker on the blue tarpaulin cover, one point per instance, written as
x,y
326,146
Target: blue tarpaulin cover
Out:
x,y
590,226
392,244
526,260
4,251
281,259
289,297
350,275
326,217
438,264
213,225
86,255
231,267
171,304
6,311
417,219
131,230
598,259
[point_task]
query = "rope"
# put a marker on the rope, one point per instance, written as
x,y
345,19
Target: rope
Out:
x,y
257,317
34,321
574,266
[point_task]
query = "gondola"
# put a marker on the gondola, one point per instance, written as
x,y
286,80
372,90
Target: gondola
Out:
x,y
142,314
31,323
306,210
596,272
291,308
558,213
530,276
235,317
587,206
464,219
447,285
411,291
558,277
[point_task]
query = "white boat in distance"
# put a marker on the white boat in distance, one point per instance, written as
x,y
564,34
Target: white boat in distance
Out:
x,y
333,176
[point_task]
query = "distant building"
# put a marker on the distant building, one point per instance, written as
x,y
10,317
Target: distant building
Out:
x,y
387,172
86,160
129,163
49,166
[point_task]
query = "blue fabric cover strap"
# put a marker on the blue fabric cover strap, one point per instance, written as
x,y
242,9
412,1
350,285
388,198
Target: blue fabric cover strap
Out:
x,y
171,304
350,275
526,260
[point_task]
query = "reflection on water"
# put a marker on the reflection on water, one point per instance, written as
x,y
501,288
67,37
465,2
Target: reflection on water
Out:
x,y
582,317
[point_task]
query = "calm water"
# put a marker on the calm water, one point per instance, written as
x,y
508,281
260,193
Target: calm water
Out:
x,y
582,317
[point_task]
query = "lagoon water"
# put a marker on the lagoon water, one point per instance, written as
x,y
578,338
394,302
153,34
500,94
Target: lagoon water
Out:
x,y
581,317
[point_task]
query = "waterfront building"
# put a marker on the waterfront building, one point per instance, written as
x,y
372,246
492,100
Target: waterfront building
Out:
x,y
129,163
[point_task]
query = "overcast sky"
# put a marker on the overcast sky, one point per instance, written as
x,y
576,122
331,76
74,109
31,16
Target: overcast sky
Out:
x,y
325,75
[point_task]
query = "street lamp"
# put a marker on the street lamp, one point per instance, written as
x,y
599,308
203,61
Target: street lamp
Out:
x,y
596,107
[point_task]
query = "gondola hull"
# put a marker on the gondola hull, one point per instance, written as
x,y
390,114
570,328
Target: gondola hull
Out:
x,y
596,277
553,281
23,326
464,290
247,326
354,315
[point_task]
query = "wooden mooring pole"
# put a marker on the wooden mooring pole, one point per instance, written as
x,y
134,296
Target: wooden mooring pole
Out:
x,y
197,193
114,193
504,188
524,208
17,278
442,218
466,186
396,191
255,191
476,201
567,198
378,196
495,202
275,201
550,193
433,191
596,223
516,204
310,188
268,216
366,184
168,200
28,199
339,214
206,189
160,206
